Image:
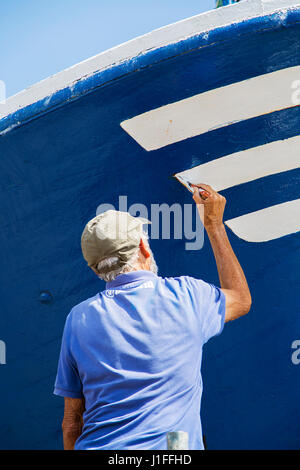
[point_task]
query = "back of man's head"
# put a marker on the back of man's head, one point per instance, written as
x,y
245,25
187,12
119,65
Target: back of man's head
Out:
x,y
114,243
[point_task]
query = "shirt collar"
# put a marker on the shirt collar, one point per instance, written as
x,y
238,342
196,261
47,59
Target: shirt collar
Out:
x,y
132,276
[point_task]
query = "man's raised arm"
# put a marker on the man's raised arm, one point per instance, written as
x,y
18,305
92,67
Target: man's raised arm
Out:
x,y
232,278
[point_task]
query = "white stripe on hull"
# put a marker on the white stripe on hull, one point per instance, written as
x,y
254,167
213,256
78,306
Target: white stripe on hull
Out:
x,y
248,165
213,109
269,223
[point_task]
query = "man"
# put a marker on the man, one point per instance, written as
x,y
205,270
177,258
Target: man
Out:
x,y
130,360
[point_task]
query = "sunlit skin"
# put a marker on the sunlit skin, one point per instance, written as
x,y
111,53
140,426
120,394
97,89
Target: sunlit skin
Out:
x,y
232,281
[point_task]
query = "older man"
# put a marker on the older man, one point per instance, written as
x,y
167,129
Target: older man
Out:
x,y
130,359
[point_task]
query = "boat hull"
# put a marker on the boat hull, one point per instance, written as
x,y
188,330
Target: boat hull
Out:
x,y
60,160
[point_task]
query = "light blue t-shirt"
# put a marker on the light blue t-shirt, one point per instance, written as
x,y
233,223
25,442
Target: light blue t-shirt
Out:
x,y
134,353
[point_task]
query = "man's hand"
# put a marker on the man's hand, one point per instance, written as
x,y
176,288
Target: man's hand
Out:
x,y
213,204
232,279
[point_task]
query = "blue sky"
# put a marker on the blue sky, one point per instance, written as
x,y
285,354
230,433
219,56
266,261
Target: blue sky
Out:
x,y
42,37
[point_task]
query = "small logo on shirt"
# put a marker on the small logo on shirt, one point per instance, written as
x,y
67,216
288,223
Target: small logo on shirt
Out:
x,y
146,285
112,292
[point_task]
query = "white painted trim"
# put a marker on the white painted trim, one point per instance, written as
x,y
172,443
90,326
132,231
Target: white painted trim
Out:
x,y
214,109
161,37
248,165
269,223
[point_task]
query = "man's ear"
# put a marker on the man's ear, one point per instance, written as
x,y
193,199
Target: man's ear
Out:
x,y
144,249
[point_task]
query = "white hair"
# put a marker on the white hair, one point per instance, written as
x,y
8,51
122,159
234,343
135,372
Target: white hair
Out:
x,y
131,265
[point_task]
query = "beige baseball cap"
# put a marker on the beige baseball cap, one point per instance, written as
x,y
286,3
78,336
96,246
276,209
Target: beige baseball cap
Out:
x,y
112,233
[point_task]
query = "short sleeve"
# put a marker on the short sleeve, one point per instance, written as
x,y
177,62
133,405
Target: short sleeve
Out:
x,y
68,383
210,303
